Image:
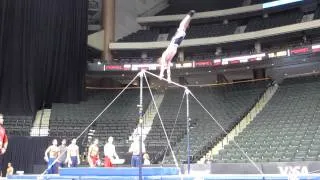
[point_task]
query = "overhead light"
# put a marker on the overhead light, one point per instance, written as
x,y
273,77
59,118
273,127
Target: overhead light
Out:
x,y
209,71
272,64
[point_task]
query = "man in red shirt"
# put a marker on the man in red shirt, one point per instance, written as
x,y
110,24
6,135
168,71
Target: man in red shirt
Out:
x,y
3,141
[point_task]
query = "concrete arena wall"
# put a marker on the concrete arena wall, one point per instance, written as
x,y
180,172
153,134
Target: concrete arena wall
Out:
x,y
127,11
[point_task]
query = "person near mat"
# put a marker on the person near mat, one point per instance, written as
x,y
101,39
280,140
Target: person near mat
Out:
x,y
146,159
171,50
135,150
93,154
73,155
51,154
109,153
10,169
63,154
3,143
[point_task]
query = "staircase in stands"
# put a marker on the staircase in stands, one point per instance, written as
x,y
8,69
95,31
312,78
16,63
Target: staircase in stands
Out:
x,y
243,123
41,124
148,116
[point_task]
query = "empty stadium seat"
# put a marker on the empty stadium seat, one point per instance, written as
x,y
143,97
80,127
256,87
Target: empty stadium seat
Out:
x,y
184,6
226,103
274,20
119,121
286,129
18,125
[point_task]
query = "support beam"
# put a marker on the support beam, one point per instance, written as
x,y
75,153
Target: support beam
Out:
x,y
108,26
181,56
221,78
257,47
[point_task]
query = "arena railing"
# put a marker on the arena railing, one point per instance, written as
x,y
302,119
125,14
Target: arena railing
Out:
x,y
308,49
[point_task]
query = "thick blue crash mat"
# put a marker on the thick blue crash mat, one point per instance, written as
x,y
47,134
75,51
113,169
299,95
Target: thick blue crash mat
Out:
x,y
119,171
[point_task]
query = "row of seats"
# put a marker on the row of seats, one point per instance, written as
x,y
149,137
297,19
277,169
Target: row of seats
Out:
x,y
141,36
181,7
286,130
226,103
260,1
18,125
119,118
207,30
220,29
274,20
184,6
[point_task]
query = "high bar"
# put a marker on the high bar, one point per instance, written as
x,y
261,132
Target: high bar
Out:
x,y
171,82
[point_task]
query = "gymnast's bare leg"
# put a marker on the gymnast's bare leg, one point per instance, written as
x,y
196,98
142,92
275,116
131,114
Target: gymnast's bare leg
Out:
x,y
171,50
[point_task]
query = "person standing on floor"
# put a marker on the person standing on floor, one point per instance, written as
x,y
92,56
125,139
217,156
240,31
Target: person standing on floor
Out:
x,y
73,155
93,154
135,150
63,154
109,153
51,154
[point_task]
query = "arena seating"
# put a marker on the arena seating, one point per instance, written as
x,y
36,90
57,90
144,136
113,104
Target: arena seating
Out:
x,y
18,125
207,30
213,29
227,104
184,6
287,129
195,31
141,36
260,1
274,20
119,121
219,29
317,13
156,140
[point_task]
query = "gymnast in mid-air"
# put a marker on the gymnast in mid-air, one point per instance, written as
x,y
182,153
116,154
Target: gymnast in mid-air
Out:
x,y
171,50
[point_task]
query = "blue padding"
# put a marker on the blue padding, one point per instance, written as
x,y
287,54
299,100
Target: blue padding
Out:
x,y
109,178
258,177
46,177
146,171
168,177
175,177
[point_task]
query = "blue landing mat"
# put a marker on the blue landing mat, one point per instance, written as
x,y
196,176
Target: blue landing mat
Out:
x,y
173,177
120,171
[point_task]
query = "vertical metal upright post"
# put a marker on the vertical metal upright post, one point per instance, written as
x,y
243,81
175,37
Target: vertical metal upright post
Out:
x,y
140,122
187,91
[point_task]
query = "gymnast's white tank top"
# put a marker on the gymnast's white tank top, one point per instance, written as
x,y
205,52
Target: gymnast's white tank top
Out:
x,y
179,34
